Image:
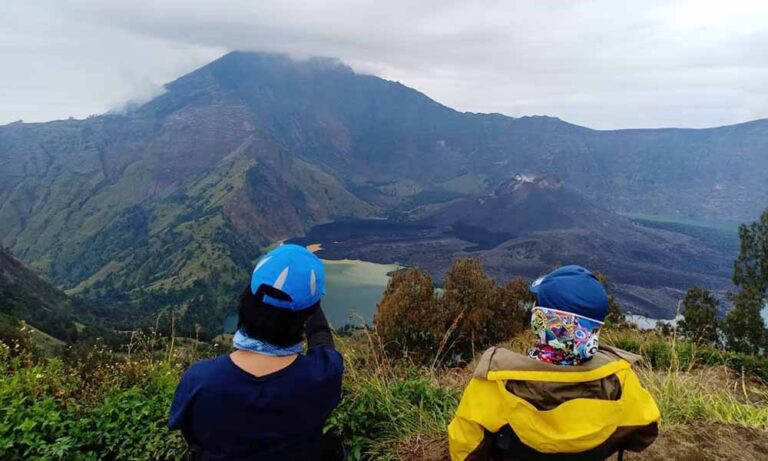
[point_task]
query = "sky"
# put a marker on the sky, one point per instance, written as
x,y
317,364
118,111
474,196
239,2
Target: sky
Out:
x,y
606,64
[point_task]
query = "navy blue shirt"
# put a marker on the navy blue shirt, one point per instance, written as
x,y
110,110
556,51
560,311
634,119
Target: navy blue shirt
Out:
x,y
234,415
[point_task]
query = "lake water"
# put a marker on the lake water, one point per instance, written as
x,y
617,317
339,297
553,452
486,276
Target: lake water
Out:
x,y
352,291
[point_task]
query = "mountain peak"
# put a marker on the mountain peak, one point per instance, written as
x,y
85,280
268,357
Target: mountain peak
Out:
x,y
280,61
239,70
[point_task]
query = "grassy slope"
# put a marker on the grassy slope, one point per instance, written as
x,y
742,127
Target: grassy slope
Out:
x,y
154,210
114,406
25,295
200,239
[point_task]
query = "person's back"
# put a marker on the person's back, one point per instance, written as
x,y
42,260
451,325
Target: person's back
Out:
x,y
567,397
267,400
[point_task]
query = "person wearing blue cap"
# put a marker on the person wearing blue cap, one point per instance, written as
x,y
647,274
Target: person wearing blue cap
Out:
x,y
268,400
568,398
569,313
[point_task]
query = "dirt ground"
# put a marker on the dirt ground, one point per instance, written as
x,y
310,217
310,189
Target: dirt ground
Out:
x,y
709,442
696,443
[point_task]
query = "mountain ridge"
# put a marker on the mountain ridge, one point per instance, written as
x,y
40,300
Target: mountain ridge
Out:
x,y
331,63
184,190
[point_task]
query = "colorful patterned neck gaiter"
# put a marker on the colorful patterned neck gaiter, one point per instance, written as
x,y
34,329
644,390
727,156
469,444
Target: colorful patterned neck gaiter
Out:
x,y
563,338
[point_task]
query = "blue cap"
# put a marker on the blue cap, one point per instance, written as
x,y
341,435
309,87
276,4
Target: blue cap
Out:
x,y
295,271
572,289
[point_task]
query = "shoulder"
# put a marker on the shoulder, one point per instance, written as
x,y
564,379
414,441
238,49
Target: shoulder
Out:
x,y
203,368
484,364
324,354
325,360
498,358
615,353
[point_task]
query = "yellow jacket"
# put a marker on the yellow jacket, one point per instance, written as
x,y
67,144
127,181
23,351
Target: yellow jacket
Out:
x,y
516,407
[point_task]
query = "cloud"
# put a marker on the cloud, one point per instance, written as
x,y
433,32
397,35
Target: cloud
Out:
x,y
604,64
140,90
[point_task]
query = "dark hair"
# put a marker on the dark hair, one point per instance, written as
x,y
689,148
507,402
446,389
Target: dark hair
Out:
x,y
259,320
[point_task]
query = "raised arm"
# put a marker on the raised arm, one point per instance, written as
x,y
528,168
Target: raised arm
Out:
x,y
318,331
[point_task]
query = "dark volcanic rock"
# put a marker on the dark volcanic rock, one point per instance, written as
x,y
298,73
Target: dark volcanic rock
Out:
x,y
530,225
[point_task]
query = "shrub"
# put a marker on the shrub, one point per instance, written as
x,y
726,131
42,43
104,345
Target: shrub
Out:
x,y
102,406
473,313
700,310
409,318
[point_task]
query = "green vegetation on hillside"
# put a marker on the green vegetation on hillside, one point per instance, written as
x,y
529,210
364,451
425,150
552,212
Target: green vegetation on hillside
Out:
x,y
24,295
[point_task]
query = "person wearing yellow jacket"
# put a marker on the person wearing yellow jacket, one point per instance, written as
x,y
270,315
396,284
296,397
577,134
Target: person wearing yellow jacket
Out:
x,y
568,399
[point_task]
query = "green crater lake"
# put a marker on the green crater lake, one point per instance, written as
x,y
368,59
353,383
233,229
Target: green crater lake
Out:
x,y
352,290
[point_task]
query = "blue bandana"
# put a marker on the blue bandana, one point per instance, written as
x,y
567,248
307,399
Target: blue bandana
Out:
x,y
242,342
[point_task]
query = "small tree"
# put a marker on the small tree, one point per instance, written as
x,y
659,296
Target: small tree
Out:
x,y
468,299
409,319
512,308
744,327
664,328
750,270
480,312
473,313
700,316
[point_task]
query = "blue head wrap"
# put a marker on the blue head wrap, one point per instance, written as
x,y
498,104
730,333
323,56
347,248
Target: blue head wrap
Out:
x,y
242,342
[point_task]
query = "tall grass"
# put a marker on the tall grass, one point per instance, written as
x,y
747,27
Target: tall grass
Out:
x,y
690,398
389,406
698,384
661,352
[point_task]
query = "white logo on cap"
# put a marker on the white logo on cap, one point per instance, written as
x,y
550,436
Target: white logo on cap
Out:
x,y
261,263
281,279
